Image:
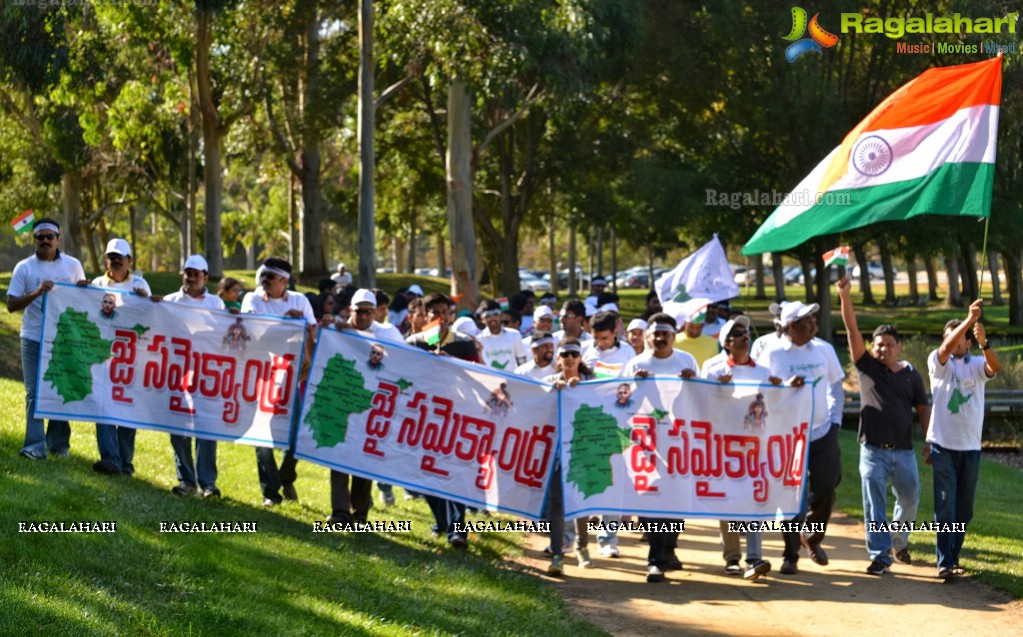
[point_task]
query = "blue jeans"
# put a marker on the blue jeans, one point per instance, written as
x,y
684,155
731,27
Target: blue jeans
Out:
x,y
554,511
955,485
205,461
117,445
877,465
56,437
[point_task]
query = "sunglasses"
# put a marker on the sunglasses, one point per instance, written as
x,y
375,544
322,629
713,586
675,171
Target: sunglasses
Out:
x,y
45,237
364,311
569,354
268,276
735,335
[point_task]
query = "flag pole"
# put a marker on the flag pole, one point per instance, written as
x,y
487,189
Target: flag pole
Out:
x,y
983,253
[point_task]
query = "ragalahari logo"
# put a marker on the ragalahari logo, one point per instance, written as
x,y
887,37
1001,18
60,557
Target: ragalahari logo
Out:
x,y
800,46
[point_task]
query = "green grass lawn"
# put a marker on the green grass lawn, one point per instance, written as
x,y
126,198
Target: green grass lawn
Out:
x,y
994,546
282,580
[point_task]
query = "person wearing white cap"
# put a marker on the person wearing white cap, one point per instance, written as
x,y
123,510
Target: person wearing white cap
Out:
x,y
890,390
502,346
33,277
343,278
661,360
768,340
351,497
543,321
273,298
635,333
734,364
116,444
198,477
804,360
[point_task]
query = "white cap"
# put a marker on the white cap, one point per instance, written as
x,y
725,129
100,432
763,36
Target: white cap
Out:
x,y
364,296
197,262
796,310
340,266
738,320
590,310
636,324
118,246
542,311
415,289
776,308
466,325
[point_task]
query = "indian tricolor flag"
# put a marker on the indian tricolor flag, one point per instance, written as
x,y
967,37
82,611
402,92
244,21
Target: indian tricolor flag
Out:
x,y
838,256
431,332
928,149
23,222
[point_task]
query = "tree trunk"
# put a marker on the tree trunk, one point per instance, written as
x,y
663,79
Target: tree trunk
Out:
x,y
889,274
862,260
932,277
614,261
412,236
758,263
464,272
914,287
71,205
442,258
778,269
213,175
191,244
573,285
996,283
969,257
952,267
552,257
367,249
808,281
824,293
600,251
1014,284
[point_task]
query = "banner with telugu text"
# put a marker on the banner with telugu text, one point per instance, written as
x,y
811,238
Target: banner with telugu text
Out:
x,y
432,424
113,357
675,448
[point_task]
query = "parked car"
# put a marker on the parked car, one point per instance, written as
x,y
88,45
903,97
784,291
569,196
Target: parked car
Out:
x,y
874,270
832,275
534,283
635,280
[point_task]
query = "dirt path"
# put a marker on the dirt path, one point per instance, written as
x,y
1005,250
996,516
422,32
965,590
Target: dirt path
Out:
x,y
839,599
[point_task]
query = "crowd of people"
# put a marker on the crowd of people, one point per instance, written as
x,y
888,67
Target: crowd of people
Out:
x,y
582,340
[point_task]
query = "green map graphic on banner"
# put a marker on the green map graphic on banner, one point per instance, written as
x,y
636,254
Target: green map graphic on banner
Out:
x,y
595,438
340,393
76,348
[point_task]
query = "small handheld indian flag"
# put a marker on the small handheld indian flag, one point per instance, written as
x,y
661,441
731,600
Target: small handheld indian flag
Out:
x,y
431,332
503,302
838,256
23,222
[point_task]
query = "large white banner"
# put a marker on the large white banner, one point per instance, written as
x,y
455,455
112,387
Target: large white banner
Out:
x,y
433,424
113,357
675,448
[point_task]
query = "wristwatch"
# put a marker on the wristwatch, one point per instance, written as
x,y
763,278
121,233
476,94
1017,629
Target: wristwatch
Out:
x,y
986,346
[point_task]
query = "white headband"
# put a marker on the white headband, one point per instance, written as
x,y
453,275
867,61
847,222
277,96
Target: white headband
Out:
x,y
661,327
45,226
571,347
281,273
543,341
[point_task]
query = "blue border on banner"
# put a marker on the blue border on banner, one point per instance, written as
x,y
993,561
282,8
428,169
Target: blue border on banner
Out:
x,y
79,417
784,515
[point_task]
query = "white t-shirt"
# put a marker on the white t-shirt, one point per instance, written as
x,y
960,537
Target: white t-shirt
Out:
x,y
713,328
258,304
813,362
608,363
387,332
957,411
29,274
717,366
670,366
530,370
503,350
762,344
207,300
132,283
583,337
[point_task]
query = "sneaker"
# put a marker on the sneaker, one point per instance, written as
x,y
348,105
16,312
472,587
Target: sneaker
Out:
x,y
673,562
945,572
583,555
877,567
105,467
654,575
183,490
788,567
902,556
557,566
733,568
958,571
459,542
211,492
289,491
267,502
609,550
388,499
755,570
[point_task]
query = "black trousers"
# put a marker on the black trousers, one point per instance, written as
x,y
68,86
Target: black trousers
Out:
x,y
825,466
350,502
271,478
